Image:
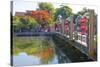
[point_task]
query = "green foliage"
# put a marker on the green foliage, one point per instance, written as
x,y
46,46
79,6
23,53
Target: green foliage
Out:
x,y
16,23
64,10
22,22
32,21
50,21
46,6
15,19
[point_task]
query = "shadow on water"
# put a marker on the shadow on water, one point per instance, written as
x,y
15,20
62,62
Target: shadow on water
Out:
x,y
73,54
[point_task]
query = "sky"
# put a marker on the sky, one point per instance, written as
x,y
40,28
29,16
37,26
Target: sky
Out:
x,y
22,6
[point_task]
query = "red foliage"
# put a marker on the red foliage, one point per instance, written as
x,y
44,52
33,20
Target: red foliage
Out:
x,y
41,15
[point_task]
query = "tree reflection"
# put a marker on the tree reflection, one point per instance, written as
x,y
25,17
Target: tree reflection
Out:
x,y
38,46
46,52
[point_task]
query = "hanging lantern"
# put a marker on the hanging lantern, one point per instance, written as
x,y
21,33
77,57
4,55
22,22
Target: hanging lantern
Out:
x,y
83,20
66,25
83,28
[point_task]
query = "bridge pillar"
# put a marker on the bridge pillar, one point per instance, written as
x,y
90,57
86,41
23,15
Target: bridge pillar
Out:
x,y
71,26
63,26
90,38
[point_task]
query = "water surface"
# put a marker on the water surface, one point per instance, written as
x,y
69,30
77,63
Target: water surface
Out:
x,y
35,51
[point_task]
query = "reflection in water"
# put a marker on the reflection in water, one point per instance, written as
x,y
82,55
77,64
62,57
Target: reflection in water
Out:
x,y
35,50
62,58
24,59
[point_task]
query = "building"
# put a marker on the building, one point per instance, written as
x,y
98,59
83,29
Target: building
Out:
x,y
20,13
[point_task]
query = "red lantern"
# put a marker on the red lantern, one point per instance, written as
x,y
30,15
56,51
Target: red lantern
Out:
x,y
66,25
83,20
83,28
66,28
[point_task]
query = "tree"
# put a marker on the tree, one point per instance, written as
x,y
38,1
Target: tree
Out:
x,y
42,16
16,23
23,22
65,11
31,22
46,6
50,8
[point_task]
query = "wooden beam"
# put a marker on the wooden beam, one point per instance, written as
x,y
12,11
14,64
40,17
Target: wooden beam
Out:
x,y
71,28
63,26
90,38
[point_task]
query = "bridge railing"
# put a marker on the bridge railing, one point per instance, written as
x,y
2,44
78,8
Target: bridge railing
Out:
x,y
88,40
